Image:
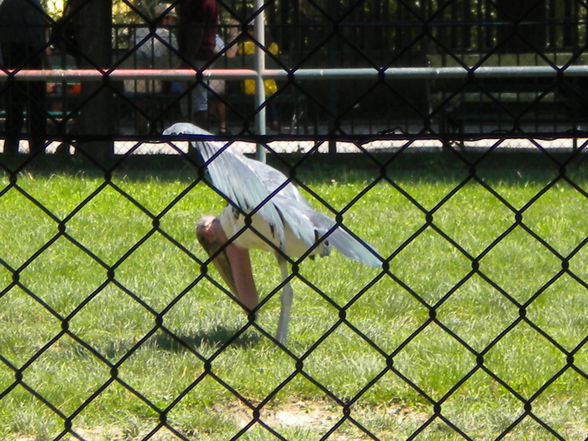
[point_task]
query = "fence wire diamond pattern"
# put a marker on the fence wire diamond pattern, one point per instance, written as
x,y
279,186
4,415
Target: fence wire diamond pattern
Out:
x,y
115,325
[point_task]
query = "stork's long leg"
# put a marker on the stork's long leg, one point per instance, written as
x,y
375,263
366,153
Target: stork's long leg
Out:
x,y
286,301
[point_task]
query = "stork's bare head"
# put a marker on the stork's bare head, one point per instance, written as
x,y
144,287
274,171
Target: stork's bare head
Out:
x,y
209,230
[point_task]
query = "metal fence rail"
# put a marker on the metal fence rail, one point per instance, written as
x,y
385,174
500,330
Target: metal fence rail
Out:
x,y
449,125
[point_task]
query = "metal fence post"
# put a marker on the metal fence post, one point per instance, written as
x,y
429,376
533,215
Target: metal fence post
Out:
x,y
333,88
259,30
96,38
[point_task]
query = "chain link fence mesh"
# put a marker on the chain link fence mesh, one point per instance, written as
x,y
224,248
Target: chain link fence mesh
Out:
x,y
119,318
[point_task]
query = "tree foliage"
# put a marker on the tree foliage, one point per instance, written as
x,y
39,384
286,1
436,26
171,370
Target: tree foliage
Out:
x,y
123,11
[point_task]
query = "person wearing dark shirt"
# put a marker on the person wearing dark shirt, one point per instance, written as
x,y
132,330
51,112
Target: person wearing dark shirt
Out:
x,y
22,41
197,40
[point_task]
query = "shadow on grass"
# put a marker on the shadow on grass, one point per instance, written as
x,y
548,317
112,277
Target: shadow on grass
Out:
x,y
319,168
213,338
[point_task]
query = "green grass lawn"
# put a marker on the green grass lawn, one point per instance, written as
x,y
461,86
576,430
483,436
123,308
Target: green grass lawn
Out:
x,y
477,328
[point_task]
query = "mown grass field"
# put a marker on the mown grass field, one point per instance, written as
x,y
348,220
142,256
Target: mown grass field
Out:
x,y
487,367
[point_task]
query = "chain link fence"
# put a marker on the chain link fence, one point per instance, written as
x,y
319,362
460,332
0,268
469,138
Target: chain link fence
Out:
x,y
448,135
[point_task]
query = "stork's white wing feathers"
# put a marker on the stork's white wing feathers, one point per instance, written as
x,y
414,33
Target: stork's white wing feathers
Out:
x,y
285,197
248,184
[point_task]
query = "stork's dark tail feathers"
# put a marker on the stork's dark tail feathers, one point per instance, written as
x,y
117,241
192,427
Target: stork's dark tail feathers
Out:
x,y
344,242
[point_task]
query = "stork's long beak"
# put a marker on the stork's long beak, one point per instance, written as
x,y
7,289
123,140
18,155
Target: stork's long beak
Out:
x,y
232,263
221,262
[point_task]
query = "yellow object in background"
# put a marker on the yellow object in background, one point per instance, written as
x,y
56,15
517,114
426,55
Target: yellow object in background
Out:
x,y
248,48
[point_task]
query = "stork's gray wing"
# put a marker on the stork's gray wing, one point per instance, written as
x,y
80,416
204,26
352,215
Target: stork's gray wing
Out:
x,y
247,184
297,213
273,180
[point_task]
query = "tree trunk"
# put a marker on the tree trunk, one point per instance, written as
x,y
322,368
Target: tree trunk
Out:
x,y
96,115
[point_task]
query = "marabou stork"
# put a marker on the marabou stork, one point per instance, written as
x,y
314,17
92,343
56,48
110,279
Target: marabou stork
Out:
x,y
266,211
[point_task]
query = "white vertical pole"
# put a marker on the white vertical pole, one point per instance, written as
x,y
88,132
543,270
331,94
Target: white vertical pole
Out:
x,y
259,33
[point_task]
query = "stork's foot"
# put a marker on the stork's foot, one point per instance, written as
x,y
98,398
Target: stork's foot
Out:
x,y
282,334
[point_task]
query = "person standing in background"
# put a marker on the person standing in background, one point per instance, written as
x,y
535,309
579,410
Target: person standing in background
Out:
x,y
157,47
216,100
197,31
23,42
